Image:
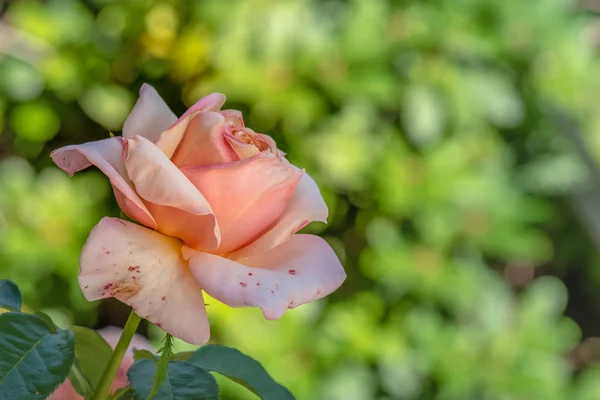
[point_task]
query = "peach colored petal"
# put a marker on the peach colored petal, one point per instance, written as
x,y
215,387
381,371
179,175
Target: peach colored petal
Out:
x,y
242,149
268,140
204,142
247,197
107,155
234,118
144,269
150,116
170,139
211,102
65,391
301,270
247,143
179,209
305,205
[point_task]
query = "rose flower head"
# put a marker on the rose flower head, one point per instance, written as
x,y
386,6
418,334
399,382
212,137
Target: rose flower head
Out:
x,y
218,206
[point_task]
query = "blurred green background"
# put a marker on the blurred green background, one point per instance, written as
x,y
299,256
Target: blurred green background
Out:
x,y
455,141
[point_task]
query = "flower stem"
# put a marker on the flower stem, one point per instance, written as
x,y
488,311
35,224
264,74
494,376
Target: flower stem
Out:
x,y
112,368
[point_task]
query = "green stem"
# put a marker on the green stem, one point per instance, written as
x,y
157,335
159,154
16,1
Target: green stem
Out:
x,y
112,368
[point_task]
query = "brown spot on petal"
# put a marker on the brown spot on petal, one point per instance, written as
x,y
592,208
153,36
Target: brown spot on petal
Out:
x,y
134,268
243,284
163,298
126,289
86,286
249,273
292,272
257,283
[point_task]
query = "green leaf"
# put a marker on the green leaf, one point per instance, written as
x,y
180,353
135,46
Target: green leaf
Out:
x,y
161,367
147,355
79,381
241,369
182,356
53,328
183,381
10,296
92,355
125,393
34,360
143,355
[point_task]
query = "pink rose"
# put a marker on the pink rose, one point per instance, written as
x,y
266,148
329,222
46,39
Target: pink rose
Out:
x,y
220,205
111,334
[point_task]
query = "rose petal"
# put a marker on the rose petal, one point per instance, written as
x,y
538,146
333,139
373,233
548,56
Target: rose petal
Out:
x,y
144,269
305,205
107,156
242,149
170,139
233,117
211,102
204,142
247,197
179,209
150,116
301,270
65,391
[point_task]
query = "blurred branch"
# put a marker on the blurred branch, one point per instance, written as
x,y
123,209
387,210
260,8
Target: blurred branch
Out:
x,y
585,198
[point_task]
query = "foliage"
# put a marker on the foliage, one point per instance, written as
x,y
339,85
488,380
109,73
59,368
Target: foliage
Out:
x,y
241,369
92,356
38,357
431,128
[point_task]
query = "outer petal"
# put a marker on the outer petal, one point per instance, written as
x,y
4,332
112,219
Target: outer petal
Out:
x,y
179,209
150,116
305,205
169,140
107,156
247,197
301,270
204,142
144,269
211,102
